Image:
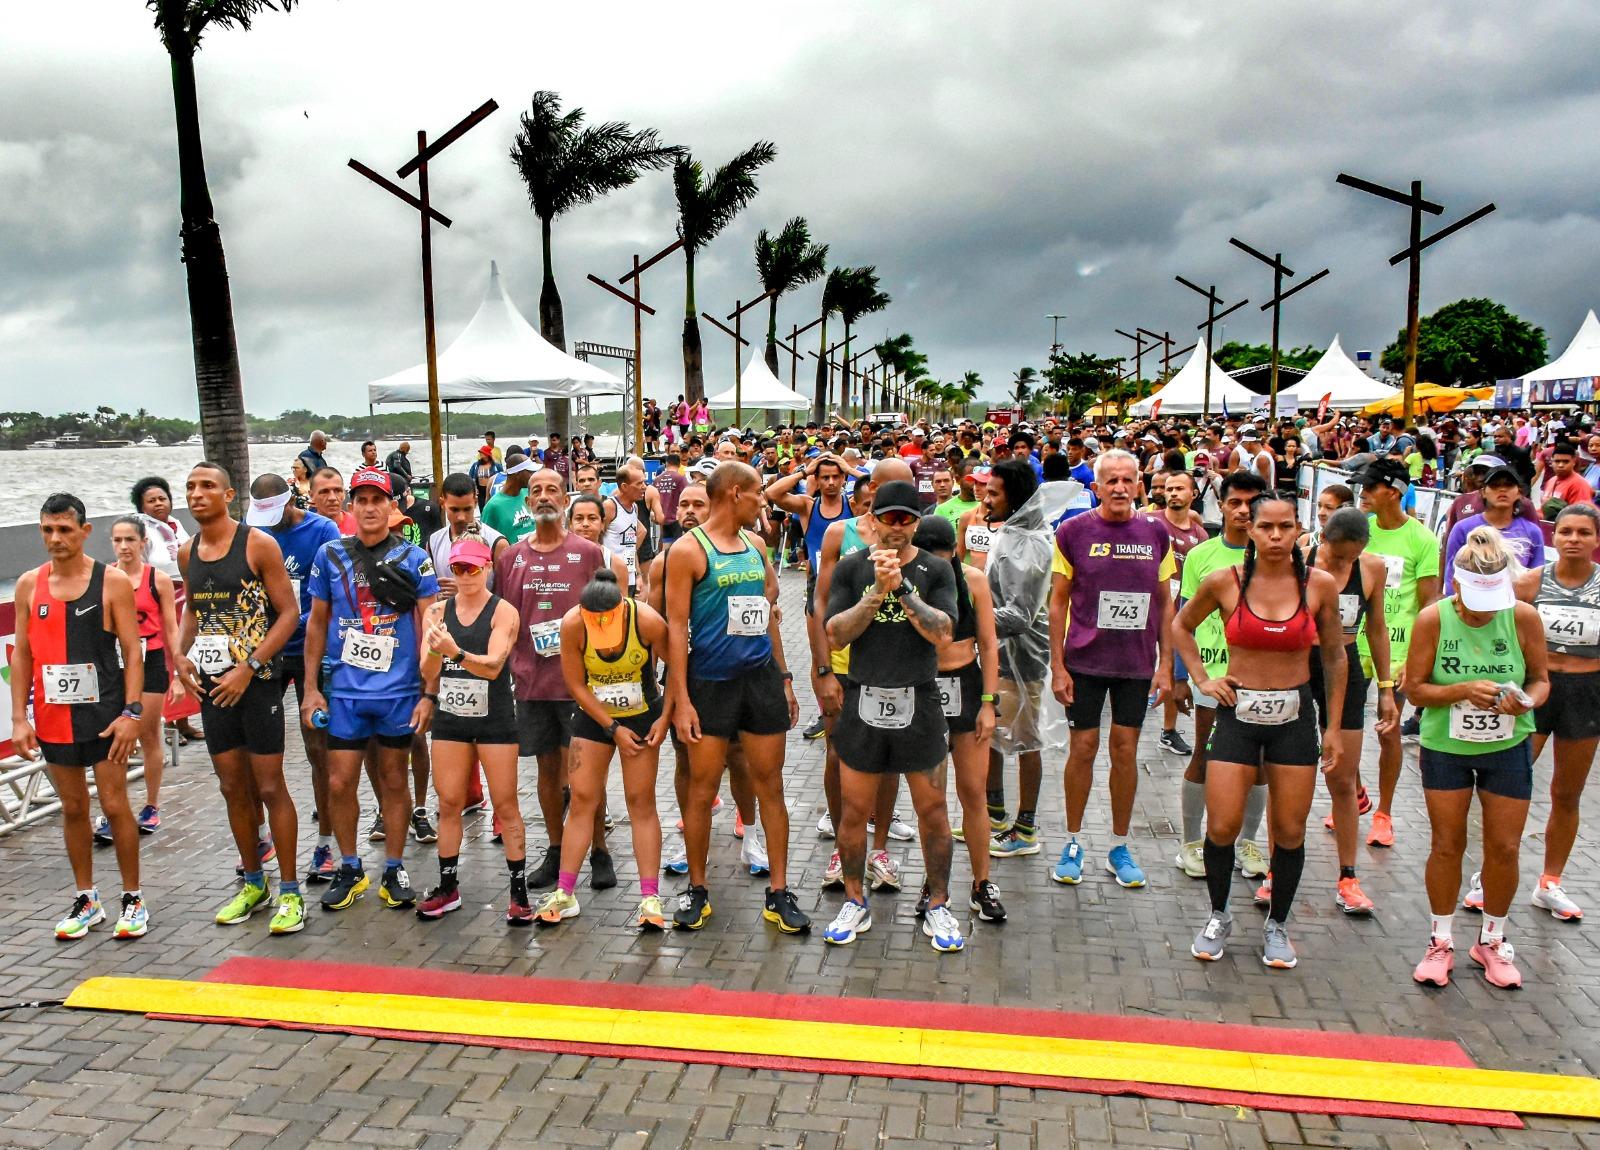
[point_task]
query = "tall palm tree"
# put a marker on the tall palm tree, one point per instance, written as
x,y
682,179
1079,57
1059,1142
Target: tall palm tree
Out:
x,y
1022,384
783,263
705,207
564,164
861,297
968,387
217,378
833,290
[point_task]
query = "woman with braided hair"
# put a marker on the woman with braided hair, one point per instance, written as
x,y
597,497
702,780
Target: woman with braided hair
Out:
x,y
1276,609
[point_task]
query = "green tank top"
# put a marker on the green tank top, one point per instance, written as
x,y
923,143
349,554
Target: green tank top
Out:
x,y
1466,653
851,539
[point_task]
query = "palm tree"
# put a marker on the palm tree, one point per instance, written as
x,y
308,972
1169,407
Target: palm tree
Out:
x,y
968,389
218,382
1022,382
861,297
564,164
783,263
833,290
705,207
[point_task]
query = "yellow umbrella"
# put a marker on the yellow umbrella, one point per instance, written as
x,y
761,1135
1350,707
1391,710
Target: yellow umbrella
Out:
x,y
1429,397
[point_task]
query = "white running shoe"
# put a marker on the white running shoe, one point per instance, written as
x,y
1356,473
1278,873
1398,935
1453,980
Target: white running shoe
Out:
x,y
833,875
1553,899
754,853
854,918
1191,859
942,929
1474,899
899,830
883,871
825,826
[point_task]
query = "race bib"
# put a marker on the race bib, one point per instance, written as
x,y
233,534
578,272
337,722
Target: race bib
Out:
x,y
1349,610
465,698
949,694
1394,570
1124,610
546,637
630,563
618,698
68,683
369,652
294,585
1471,725
1172,589
1569,625
979,538
1266,708
887,708
748,614
925,486
210,655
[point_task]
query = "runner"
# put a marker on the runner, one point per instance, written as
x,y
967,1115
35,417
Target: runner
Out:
x,y
974,531
507,509
1566,594
1112,566
669,483
731,679
1186,531
466,668
969,678
1264,716
893,606
1341,552
459,505
608,646
80,618
1410,555
327,499
542,578
239,613
1477,713
164,534
369,593
586,517
625,526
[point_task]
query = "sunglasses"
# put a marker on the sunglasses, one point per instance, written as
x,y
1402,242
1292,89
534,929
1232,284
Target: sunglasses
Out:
x,y
464,569
897,519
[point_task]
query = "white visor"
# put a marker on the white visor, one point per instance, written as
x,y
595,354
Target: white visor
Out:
x,y
1486,592
267,512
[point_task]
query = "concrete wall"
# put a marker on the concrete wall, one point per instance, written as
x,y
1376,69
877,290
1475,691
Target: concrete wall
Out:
x,y
21,549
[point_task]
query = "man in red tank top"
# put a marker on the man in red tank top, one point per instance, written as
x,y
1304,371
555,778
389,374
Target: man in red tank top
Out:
x,y
74,614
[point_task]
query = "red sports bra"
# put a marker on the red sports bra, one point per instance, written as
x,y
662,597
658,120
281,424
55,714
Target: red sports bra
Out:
x,y
1247,630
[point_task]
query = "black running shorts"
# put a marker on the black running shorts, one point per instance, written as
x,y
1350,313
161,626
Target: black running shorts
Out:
x,y
752,704
1130,699
255,722
919,745
1573,709
960,696
1353,717
1292,744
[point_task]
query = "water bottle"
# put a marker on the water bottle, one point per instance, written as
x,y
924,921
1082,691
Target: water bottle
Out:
x,y
319,719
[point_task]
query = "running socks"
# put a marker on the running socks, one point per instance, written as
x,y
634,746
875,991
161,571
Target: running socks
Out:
x,y
1493,931
1219,873
1194,810
519,880
287,886
1287,863
649,887
351,861
447,872
255,878
1347,872
1439,925
1255,805
997,804
567,881
1024,820
390,864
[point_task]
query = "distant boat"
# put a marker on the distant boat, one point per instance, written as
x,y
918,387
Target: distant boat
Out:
x,y
193,441
148,441
42,445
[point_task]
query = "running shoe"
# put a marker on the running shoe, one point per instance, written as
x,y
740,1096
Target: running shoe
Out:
x,y
1014,841
102,832
1263,894
825,826
1474,899
1173,743
815,731
134,919
548,870
1549,896
924,897
1213,937
833,873
883,871
941,927
475,803
1411,729
854,918
395,889
375,831
754,854
1351,898
716,806
610,823
248,899
149,820
1191,859
1498,960
1363,806
1251,859
518,913
347,886
602,871
738,825
899,830
324,865
422,828
437,902
679,862
1120,865
1382,832
1436,964
1069,867
1276,949
290,917
694,908
985,900
557,905
783,909
650,916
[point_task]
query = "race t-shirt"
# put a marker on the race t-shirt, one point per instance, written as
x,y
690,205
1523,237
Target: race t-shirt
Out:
x,y
1212,555
543,586
891,652
384,640
1525,539
1184,540
922,473
509,515
1409,552
954,508
300,545
1113,618
669,485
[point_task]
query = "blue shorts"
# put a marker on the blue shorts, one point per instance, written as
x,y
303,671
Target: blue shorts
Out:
x,y
1508,772
353,721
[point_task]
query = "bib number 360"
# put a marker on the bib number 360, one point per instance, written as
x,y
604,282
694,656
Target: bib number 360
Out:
x,y
887,708
369,652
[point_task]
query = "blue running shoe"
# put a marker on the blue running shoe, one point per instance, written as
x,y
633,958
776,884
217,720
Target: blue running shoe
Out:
x,y
1069,869
1121,865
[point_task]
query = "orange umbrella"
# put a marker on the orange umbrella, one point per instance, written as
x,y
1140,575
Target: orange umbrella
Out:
x,y
1429,397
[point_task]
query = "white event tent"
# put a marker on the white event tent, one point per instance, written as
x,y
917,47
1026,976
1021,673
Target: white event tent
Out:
x,y
497,356
1337,376
1582,357
1185,391
759,389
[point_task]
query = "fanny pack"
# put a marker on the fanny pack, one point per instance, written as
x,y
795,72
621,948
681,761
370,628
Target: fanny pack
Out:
x,y
390,583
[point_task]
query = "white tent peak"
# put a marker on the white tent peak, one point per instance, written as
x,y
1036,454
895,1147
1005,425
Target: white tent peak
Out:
x,y
759,389
1336,375
1582,357
1185,391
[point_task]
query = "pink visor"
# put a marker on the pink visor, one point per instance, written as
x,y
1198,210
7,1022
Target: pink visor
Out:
x,y
470,551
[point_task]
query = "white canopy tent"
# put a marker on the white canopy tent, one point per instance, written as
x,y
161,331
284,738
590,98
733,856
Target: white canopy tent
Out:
x,y
1337,376
1582,357
497,356
759,389
1185,391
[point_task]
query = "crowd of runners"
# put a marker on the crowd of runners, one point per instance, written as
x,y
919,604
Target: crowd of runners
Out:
x,y
975,596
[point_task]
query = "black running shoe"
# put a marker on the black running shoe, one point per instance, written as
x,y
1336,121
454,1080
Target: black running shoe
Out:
x,y
375,831
986,901
422,828
782,909
347,886
1174,742
395,889
548,870
602,874
815,730
694,907
1411,729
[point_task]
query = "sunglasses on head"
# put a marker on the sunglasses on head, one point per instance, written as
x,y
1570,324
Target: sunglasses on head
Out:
x,y
464,568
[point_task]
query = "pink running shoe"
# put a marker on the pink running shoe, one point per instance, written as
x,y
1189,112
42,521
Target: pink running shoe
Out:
x,y
1498,962
1436,965
738,825
1263,895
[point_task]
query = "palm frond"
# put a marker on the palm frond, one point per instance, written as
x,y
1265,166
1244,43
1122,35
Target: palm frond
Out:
x,y
707,206
564,164
189,18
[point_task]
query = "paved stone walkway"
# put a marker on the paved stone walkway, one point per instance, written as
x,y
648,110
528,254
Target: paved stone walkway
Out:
x,y
69,1079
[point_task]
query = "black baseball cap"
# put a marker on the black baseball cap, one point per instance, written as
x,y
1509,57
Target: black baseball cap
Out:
x,y
897,495
1385,472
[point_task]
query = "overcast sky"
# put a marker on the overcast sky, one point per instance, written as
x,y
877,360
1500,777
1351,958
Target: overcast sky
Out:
x,y
997,162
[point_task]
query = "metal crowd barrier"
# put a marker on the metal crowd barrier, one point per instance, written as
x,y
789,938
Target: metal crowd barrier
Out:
x,y
26,796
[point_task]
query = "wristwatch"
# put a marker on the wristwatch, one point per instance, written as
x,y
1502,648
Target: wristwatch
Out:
x,y
822,670
611,731
255,664
133,711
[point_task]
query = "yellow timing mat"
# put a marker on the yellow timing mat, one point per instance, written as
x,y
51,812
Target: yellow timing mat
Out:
x,y
1031,1056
